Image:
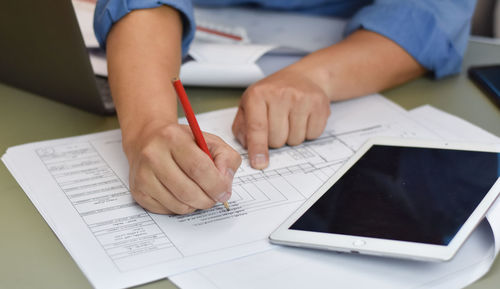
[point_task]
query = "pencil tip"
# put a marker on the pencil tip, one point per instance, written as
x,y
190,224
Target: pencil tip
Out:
x,y
226,205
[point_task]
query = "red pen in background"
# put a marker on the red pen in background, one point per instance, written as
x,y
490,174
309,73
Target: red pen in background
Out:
x,y
219,33
193,124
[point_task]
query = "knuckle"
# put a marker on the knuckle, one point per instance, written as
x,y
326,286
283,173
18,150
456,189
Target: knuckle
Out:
x,y
255,94
186,197
198,169
154,210
291,93
257,125
254,90
148,154
320,107
247,95
169,133
212,138
313,134
207,205
299,96
138,195
145,201
236,157
295,141
316,131
137,181
195,200
318,100
277,142
215,187
182,209
283,93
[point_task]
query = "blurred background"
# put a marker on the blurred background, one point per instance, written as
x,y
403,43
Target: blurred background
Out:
x,y
486,19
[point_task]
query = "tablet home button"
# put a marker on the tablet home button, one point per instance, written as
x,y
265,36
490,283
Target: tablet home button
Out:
x,y
359,243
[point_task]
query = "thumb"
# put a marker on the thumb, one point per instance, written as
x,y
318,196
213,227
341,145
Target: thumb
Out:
x,y
226,159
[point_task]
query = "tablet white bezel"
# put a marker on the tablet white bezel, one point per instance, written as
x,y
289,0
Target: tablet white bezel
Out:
x,y
384,247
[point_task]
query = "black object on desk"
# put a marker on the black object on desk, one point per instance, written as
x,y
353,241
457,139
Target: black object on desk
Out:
x,y
488,79
43,52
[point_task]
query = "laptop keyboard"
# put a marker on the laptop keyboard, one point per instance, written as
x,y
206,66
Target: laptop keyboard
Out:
x,y
105,92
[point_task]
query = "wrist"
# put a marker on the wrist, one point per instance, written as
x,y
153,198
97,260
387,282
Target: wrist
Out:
x,y
139,111
317,70
136,125
134,136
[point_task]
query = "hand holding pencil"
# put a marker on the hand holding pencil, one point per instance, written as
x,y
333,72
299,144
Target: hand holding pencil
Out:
x,y
170,174
195,128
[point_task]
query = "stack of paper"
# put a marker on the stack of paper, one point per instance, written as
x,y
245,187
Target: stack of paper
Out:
x,y
80,186
292,268
235,46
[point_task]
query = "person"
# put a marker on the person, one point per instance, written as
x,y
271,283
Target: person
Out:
x,y
387,43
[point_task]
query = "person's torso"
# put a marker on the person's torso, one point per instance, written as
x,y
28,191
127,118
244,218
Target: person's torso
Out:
x,y
340,8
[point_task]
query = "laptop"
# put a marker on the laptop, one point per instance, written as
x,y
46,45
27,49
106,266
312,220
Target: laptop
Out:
x,y
42,51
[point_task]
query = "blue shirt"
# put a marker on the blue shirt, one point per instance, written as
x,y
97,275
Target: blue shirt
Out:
x,y
434,32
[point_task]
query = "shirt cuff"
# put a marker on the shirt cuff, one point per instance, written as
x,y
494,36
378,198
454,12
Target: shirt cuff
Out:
x,y
108,12
414,29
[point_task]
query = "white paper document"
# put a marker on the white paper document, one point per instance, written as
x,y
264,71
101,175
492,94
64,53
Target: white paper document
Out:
x,y
84,11
270,40
222,64
293,268
80,186
298,32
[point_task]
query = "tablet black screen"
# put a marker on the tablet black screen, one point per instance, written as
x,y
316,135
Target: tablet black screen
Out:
x,y
405,193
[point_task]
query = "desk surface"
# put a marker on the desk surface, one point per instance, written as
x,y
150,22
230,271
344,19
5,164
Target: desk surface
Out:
x,y
31,255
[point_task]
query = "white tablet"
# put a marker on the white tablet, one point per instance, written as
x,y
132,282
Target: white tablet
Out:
x,y
400,198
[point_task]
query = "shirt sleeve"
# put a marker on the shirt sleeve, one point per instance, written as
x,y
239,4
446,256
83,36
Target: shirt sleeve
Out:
x,y
434,32
108,12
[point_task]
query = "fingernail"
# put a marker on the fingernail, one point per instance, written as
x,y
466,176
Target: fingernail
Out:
x,y
259,161
224,197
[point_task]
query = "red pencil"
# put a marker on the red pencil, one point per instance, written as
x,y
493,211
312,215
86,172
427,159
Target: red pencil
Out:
x,y
219,33
193,123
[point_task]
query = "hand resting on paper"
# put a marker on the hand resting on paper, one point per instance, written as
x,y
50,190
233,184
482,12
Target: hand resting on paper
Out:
x,y
284,108
293,105
169,173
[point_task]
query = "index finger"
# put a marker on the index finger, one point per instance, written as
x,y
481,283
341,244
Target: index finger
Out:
x,y
256,128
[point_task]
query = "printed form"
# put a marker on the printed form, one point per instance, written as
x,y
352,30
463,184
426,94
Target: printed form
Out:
x,y
80,186
292,268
